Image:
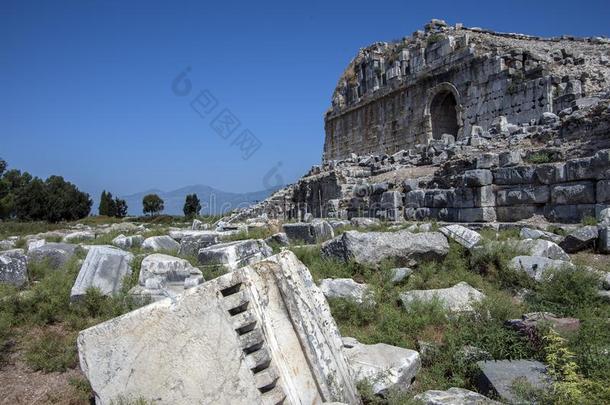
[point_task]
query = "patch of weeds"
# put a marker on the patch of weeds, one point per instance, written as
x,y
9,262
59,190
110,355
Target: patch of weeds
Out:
x,y
569,292
590,346
81,388
589,220
212,271
122,400
434,38
51,351
539,158
255,233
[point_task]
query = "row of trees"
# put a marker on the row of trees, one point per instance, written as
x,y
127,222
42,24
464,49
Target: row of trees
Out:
x,y
29,198
153,205
112,207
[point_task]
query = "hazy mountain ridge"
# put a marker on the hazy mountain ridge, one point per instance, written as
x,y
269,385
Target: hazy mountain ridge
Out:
x,y
213,201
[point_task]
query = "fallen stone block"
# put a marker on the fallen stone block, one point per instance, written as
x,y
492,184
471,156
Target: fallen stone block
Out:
x,y
233,255
537,266
459,298
160,243
13,268
168,268
347,289
190,245
55,254
260,335
529,233
32,244
104,268
280,239
462,235
604,239
497,378
363,222
580,239
128,242
454,396
374,247
544,248
385,367
399,274
78,236
7,245
309,232
530,323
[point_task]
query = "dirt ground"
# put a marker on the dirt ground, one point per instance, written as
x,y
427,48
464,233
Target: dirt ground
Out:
x,y
20,385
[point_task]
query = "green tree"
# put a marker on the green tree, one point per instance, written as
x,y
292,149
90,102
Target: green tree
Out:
x,y
192,206
107,205
31,201
121,207
103,207
152,204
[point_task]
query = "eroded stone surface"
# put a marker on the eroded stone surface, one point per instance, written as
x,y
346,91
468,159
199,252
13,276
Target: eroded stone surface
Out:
x,y
454,396
233,255
259,335
459,298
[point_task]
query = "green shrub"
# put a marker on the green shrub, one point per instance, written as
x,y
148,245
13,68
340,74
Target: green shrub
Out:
x,y
539,158
589,220
51,351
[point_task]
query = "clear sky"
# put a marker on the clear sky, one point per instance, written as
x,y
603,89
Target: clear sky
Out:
x,y
86,86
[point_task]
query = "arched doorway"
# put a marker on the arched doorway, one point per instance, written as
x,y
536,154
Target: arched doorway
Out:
x,y
443,114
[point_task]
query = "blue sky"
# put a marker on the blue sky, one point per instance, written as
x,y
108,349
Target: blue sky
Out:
x,y
86,86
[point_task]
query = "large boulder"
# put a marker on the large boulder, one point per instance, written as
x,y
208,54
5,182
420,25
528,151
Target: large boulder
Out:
x,y
497,378
263,334
104,268
13,268
385,367
233,255
162,243
580,239
459,298
190,245
128,242
55,254
374,247
346,288
309,232
530,233
454,396
462,235
537,266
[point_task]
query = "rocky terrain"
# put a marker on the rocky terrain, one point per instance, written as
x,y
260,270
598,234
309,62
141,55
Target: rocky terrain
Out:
x,y
465,267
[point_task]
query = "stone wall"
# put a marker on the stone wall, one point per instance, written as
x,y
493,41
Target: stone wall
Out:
x,y
394,96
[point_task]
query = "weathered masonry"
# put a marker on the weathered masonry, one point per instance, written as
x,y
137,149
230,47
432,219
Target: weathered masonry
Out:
x,y
455,81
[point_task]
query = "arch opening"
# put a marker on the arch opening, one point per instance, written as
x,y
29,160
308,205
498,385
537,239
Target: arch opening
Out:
x,y
443,115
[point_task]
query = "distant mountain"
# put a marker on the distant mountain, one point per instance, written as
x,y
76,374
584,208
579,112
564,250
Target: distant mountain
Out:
x,y
213,201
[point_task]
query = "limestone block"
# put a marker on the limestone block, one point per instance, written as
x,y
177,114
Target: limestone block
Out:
x,y
190,245
13,268
128,242
486,161
484,196
55,254
385,367
498,377
573,193
522,195
580,239
580,169
233,255
536,266
477,178
544,248
168,268
459,298
604,239
514,175
454,396
510,158
375,247
104,268
569,213
415,198
261,335
462,235
551,173
603,191
78,236
483,214
347,289
160,243
312,232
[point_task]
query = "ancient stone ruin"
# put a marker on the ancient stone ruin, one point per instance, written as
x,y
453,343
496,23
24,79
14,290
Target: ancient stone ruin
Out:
x,y
462,125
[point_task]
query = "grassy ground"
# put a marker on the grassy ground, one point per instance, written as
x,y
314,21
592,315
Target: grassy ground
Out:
x,y
38,326
566,293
